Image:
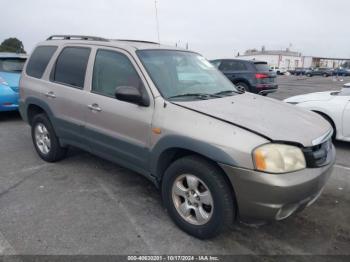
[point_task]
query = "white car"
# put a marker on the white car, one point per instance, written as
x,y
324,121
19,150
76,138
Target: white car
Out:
x,y
334,106
278,70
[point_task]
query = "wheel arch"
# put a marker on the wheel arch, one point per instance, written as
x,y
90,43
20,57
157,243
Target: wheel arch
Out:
x,y
329,119
172,154
36,106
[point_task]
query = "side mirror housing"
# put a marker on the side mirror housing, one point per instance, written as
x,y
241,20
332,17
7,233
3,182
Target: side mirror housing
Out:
x,y
131,94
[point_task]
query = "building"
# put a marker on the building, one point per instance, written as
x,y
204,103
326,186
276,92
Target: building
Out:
x,y
290,59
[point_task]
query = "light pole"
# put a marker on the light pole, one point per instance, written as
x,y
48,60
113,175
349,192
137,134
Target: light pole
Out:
x,y
157,21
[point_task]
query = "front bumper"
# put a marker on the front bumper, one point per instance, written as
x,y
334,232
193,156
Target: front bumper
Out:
x,y
263,197
8,99
9,102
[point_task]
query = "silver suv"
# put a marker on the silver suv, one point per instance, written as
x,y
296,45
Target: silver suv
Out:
x,y
216,154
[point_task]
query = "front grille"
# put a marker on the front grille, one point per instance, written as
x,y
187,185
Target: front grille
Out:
x,y
317,156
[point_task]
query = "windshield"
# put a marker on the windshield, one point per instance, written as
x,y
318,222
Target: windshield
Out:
x,y
185,75
12,65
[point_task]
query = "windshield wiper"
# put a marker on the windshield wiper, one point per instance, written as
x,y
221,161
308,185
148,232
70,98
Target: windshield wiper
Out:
x,y
227,92
198,95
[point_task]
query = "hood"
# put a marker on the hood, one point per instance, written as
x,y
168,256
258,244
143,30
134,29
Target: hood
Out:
x,y
268,117
319,96
11,79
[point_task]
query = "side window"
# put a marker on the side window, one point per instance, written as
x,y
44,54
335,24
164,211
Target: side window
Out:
x,y
241,66
232,66
71,66
113,69
226,66
39,60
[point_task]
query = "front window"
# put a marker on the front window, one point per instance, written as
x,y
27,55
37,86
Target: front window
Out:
x,y
185,75
12,65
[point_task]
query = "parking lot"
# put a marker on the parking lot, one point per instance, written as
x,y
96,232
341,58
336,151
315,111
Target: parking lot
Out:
x,y
86,205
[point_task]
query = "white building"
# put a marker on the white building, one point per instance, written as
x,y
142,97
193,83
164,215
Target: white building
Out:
x,y
290,60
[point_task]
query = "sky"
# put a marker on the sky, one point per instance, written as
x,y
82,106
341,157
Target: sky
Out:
x,y
216,29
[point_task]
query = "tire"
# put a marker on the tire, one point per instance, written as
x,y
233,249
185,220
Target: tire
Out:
x,y
325,75
243,87
45,139
309,75
221,213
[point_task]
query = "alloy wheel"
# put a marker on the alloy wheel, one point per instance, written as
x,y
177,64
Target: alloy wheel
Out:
x,y
42,138
192,199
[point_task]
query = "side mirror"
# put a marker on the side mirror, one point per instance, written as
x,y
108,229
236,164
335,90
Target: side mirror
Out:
x,y
130,94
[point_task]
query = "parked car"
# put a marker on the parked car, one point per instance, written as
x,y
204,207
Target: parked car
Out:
x,y
217,154
319,72
334,106
248,75
299,71
11,65
340,71
278,70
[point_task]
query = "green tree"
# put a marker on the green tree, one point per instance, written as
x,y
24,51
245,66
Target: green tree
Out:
x,y
12,44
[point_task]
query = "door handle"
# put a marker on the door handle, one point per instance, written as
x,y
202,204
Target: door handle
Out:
x,y
50,94
95,107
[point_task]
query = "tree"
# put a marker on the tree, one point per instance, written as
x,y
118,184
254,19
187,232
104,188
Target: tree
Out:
x,y
12,44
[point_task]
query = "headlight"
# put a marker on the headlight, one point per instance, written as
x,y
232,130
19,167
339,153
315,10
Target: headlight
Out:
x,y
278,158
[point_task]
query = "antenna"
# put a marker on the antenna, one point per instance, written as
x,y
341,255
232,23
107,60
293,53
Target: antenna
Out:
x,y
157,21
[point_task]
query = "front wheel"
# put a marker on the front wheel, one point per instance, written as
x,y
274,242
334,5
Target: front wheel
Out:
x,y
45,140
198,197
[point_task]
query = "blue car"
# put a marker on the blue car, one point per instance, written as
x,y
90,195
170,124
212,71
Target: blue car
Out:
x,y
11,65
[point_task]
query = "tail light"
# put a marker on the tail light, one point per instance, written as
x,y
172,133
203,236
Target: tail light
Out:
x,y
260,76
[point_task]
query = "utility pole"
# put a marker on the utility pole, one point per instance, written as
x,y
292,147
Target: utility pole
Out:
x,y
157,21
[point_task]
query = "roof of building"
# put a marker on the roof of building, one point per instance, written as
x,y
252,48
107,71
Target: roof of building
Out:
x,y
271,52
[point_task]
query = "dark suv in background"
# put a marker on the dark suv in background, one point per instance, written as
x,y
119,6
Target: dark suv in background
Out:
x,y
248,75
319,71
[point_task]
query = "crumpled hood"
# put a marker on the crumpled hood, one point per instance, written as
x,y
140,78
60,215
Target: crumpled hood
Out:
x,y
268,117
319,96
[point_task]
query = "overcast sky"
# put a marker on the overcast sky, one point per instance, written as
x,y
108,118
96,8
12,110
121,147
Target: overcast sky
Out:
x,y
214,28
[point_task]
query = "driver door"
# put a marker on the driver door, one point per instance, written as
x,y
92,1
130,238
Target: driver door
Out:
x,y
117,130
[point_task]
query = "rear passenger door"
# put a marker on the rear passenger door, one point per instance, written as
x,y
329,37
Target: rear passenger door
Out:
x,y
66,94
118,130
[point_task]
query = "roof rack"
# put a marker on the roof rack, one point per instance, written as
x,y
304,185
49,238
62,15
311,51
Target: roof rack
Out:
x,y
137,41
77,37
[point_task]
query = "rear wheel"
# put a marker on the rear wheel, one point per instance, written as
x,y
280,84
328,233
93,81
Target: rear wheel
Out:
x,y
309,75
242,87
198,197
45,140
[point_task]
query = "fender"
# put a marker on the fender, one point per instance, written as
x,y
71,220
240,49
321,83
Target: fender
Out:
x,y
210,151
38,102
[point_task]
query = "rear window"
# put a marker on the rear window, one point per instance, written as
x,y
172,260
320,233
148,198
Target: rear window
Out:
x,y
262,67
71,66
12,65
39,60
